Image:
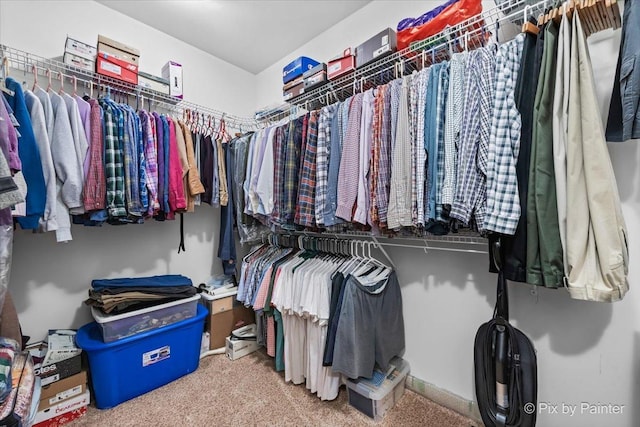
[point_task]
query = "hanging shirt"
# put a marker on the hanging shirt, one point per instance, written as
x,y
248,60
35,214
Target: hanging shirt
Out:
x,y
335,155
264,185
361,214
322,160
166,144
94,190
49,221
349,161
503,202
114,163
305,208
399,214
84,109
151,160
454,107
79,141
474,137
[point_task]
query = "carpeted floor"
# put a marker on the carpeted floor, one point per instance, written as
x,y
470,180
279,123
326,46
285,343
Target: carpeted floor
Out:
x,y
249,392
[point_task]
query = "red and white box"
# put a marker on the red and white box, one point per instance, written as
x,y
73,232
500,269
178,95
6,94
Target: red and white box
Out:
x,y
64,407
341,65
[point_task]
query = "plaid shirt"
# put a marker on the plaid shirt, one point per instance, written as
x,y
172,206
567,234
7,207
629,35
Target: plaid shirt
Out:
x,y
291,169
114,168
420,155
474,138
322,160
279,142
151,161
387,134
305,211
443,89
503,202
349,161
376,125
94,189
455,104
130,150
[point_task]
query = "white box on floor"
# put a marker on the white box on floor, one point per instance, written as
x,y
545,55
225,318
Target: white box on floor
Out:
x,y
242,342
375,400
63,407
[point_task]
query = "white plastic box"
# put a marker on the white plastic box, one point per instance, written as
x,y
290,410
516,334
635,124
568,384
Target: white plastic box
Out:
x,y
374,401
123,325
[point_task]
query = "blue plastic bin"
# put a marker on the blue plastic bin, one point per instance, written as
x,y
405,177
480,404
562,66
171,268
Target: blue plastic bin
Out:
x,y
129,367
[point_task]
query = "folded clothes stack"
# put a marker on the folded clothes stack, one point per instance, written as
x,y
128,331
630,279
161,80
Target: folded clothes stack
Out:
x,y
122,295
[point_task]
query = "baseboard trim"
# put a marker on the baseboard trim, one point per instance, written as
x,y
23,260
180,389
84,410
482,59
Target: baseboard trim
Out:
x,y
445,398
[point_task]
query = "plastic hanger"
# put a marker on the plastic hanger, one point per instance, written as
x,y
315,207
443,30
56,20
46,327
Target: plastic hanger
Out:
x,y
34,70
75,85
5,74
61,77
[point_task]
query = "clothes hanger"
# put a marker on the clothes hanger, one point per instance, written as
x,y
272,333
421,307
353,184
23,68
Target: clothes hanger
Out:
x,y
75,85
5,74
61,78
34,70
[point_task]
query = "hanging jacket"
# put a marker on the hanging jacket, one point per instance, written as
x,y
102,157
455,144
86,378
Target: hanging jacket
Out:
x,y
30,158
192,178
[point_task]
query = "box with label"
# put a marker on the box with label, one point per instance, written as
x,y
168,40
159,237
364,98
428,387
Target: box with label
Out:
x,y
373,397
297,67
154,83
315,77
172,71
80,62
341,65
55,370
65,389
119,50
63,419
73,404
376,47
117,60
292,83
129,367
117,326
225,315
111,66
293,92
78,48
242,342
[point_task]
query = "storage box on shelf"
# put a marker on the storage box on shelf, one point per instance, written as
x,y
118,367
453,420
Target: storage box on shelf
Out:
x,y
153,358
341,65
383,43
297,67
117,60
172,71
117,326
375,400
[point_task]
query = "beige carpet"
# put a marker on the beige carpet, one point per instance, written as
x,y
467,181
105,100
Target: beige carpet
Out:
x,y
249,392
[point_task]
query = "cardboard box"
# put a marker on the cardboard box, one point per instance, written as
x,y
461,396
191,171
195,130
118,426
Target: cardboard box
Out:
x,y
297,67
63,419
172,71
293,92
154,83
119,50
242,342
111,66
56,371
315,80
225,315
341,65
51,390
72,404
292,83
80,62
376,47
78,48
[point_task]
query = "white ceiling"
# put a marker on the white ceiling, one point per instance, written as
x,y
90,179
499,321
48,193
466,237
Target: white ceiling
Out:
x,y
251,34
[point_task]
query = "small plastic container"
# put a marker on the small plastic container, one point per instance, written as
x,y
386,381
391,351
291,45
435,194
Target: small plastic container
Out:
x,y
375,400
127,368
117,326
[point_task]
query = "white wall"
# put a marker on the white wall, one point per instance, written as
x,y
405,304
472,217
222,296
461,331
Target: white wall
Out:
x,y
587,352
49,281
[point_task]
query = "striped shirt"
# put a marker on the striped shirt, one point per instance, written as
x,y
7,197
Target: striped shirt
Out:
x,y
322,160
305,209
349,161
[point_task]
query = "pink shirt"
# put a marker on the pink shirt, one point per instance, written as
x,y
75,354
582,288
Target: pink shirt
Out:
x,y
177,201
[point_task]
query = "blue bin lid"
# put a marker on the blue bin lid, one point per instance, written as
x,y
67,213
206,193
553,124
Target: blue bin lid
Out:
x,y
89,336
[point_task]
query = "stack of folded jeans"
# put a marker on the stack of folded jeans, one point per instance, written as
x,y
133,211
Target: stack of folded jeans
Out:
x,y
122,295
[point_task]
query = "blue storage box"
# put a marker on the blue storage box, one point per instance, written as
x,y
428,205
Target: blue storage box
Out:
x,y
296,67
129,367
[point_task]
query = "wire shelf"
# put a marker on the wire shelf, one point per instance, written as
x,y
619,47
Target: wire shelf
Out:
x,y
28,64
467,35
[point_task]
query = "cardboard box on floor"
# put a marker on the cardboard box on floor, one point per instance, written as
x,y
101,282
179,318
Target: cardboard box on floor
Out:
x,y
225,315
56,359
62,390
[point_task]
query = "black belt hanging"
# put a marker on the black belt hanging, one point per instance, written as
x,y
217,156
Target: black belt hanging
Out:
x,y
181,245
